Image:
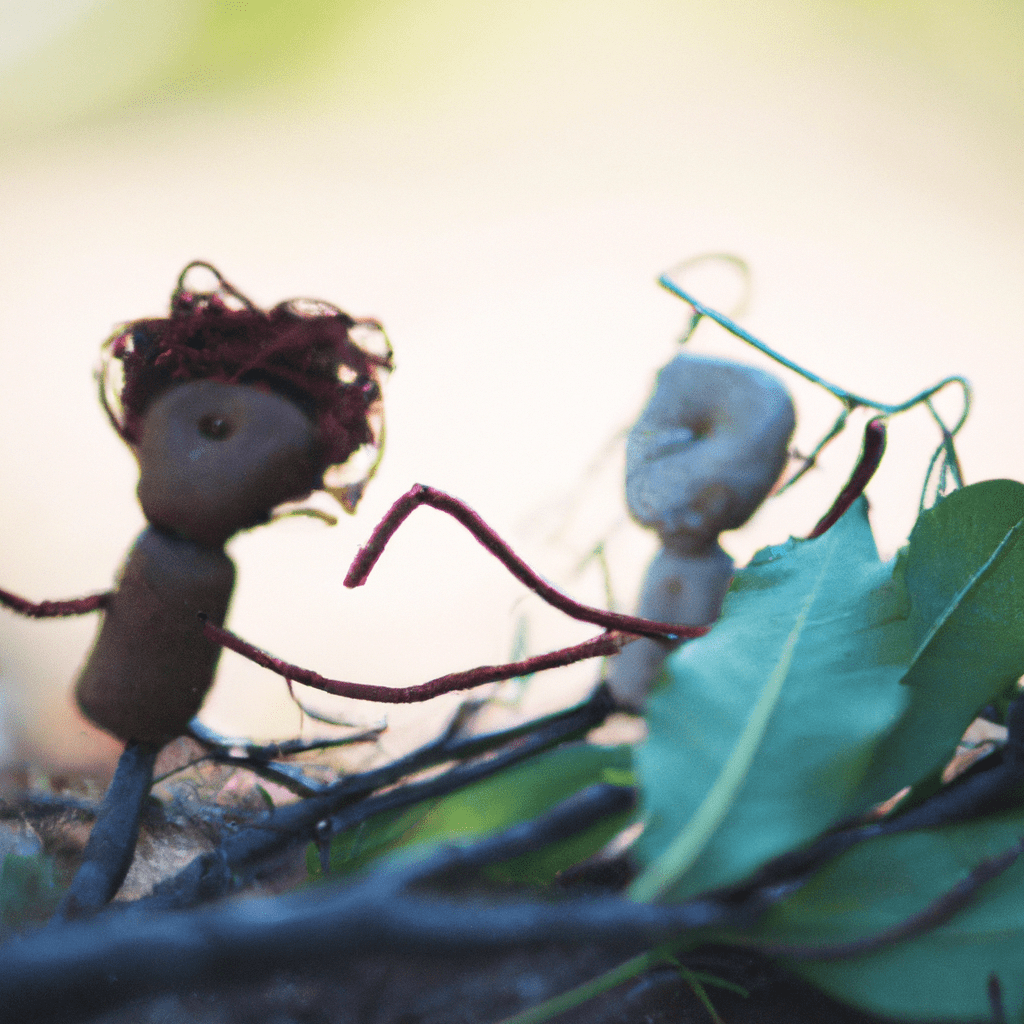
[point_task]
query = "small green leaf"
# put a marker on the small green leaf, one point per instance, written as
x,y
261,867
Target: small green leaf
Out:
x,y
964,571
522,793
354,849
882,882
267,799
762,735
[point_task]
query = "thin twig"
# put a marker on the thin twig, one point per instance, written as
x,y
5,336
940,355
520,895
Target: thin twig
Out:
x,y
871,454
603,646
350,801
260,758
847,397
236,748
621,629
420,494
810,461
55,609
997,1008
937,913
850,400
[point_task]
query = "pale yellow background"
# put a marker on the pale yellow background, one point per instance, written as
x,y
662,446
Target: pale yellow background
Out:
x,y
500,183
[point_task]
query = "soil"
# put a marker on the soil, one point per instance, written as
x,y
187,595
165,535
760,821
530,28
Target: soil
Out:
x,y
486,990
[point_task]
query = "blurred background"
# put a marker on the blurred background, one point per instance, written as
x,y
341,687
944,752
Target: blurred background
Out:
x,y
500,183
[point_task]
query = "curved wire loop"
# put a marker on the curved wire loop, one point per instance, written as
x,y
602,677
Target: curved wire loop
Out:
x,y
944,464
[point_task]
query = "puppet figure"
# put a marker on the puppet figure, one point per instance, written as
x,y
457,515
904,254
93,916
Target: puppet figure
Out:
x,y
231,411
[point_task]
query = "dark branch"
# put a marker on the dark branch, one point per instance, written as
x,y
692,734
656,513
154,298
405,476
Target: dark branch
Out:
x,y
997,1009
118,957
351,800
108,854
259,758
237,749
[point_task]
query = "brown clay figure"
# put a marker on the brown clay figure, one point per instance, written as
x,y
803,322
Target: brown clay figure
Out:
x,y
231,411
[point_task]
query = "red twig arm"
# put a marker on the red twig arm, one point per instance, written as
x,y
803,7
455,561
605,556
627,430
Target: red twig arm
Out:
x,y
420,494
54,609
607,644
870,456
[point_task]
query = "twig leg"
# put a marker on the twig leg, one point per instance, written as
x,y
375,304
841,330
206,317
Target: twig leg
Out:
x,y
111,846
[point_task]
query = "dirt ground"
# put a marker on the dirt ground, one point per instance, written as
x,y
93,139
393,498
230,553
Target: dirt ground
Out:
x,y
485,990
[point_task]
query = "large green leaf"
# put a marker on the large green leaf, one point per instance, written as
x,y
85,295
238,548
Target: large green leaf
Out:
x,y
941,974
964,571
492,804
761,737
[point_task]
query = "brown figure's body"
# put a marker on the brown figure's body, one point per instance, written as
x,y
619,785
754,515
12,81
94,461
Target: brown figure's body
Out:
x,y
214,459
151,667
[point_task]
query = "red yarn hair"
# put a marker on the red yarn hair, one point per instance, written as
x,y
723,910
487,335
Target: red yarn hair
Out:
x,y
303,349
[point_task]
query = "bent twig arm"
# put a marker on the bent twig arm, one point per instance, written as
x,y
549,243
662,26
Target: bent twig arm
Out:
x,y
55,609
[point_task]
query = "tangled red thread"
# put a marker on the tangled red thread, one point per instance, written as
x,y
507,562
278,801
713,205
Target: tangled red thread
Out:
x,y
302,349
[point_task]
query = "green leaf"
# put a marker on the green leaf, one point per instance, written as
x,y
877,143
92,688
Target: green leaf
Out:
x,y
882,882
964,571
762,735
354,849
491,805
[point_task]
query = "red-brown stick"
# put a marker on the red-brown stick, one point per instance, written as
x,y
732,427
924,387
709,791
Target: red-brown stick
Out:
x,y
54,609
420,494
607,644
870,456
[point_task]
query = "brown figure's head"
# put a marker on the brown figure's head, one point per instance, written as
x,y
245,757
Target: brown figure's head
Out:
x,y
232,410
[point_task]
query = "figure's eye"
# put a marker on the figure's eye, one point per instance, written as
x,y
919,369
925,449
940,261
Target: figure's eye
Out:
x,y
214,427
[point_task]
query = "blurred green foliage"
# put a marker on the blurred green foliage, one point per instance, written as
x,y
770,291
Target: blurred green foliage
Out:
x,y
113,57
496,803
261,43
128,57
